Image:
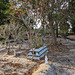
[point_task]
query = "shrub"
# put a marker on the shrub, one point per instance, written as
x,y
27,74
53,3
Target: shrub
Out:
x,y
2,39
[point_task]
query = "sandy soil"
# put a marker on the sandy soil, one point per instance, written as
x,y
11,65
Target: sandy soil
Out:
x,y
14,65
61,59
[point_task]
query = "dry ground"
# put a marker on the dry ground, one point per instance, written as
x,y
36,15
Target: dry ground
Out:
x,y
61,60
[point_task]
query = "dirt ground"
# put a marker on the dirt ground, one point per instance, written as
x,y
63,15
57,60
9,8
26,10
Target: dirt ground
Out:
x,y
14,64
61,60
10,65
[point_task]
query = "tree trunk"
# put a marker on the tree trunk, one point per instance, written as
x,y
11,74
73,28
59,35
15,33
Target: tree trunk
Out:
x,y
52,33
56,30
36,40
51,27
30,39
8,52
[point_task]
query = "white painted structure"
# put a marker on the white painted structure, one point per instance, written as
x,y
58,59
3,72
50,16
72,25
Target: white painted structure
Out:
x,y
46,59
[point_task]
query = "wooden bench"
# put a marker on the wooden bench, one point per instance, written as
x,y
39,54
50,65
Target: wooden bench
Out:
x,y
37,54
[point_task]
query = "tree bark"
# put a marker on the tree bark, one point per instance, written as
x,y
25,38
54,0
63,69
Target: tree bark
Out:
x,y
56,30
52,33
30,34
51,27
36,40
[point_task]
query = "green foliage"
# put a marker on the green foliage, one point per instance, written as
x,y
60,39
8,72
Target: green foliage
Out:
x,y
2,39
39,45
64,27
64,35
3,7
72,14
31,21
34,39
51,42
73,25
54,16
73,29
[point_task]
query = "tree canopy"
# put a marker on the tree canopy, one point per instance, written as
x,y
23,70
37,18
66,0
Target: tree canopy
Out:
x,y
4,5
